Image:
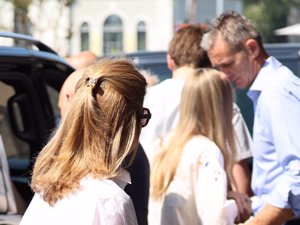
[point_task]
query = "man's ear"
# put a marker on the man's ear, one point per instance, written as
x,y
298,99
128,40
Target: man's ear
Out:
x,y
252,47
170,62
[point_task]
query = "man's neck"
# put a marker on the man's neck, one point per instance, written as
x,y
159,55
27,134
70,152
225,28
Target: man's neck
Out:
x,y
182,72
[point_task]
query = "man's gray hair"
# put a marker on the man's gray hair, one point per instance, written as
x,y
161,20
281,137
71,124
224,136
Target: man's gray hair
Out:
x,y
234,28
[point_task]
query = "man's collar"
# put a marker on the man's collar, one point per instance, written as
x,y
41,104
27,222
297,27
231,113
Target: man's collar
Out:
x,y
265,72
263,77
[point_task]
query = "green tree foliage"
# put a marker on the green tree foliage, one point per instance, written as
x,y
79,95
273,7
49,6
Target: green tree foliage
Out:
x,y
269,15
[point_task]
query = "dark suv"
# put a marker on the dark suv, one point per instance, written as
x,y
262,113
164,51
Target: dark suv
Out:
x,y
31,75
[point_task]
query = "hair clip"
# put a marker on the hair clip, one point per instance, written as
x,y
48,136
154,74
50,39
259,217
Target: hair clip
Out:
x,y
90,82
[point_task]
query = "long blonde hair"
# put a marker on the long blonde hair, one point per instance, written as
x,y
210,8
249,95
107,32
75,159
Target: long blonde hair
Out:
x,y
101,128
205,109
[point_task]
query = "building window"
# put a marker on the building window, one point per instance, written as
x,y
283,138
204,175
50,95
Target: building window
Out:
x,y
141,36
84,37
113,35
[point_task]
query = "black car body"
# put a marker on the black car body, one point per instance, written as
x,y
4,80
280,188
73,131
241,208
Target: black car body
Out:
x,y
31,75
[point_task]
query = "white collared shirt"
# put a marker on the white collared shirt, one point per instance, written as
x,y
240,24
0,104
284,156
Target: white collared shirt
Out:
x,y
198,192
98,202
275,94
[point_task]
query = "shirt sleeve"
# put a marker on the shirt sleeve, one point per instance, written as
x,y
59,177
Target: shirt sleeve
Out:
x,y
284,113
211,190
242,135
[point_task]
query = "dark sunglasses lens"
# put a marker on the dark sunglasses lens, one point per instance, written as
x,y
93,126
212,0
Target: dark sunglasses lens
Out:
x,y
144,122
146,117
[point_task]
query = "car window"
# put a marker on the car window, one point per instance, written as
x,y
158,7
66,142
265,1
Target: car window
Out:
x,y
54,80
27,114
53,94
15,148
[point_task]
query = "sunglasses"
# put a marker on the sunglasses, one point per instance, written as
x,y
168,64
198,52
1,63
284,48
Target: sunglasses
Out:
x,y
146,117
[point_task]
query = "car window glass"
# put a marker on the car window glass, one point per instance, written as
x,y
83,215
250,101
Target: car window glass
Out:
x,y
53,94
54,80
15,148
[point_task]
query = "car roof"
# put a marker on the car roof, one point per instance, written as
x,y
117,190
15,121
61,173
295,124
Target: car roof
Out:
x,y
30,48
41,46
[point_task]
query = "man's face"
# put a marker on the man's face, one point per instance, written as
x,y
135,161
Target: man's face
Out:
x,y
68,90
237,66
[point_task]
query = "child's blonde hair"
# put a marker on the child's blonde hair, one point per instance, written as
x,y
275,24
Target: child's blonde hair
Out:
x,y
205,109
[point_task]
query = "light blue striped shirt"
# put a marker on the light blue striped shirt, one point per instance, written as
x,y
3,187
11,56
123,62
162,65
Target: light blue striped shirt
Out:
x,y
276,137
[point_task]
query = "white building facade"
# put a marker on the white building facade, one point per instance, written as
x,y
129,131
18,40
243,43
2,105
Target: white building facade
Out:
x,y
105,26
134,25
114,26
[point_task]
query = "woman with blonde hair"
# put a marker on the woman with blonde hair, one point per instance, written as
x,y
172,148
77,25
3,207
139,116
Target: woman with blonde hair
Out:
x,y
79,176
192,170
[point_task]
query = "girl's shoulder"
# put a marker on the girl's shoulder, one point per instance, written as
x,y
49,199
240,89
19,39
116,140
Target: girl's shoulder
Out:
x,y
201,147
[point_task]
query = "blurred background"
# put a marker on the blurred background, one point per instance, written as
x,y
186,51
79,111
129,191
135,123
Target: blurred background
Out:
x,y
124,26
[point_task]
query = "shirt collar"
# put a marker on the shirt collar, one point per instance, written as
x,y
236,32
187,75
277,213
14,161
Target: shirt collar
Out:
x,y
122,179
263,77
